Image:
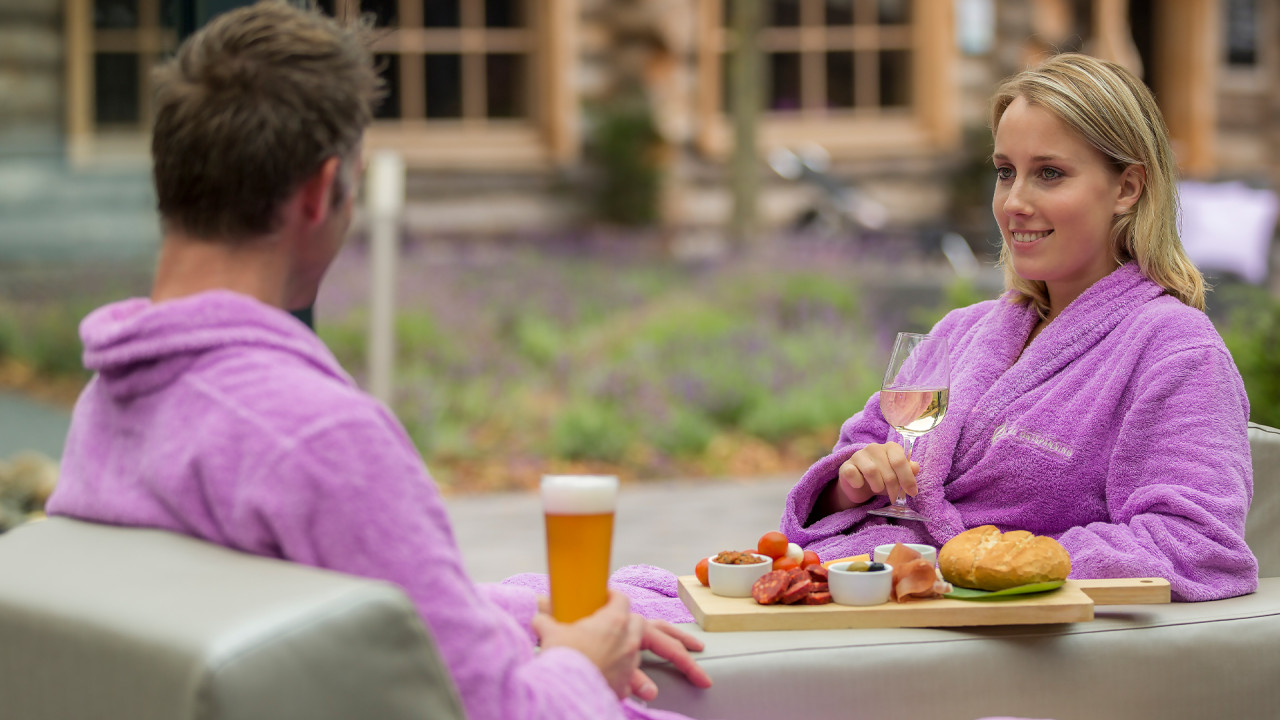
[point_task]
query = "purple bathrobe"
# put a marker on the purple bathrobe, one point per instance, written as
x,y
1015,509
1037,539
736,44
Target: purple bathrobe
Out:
x,y
1121,431
223,418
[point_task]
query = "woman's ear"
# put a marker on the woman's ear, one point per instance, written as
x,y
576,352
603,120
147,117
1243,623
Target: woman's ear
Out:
x,y
1132,180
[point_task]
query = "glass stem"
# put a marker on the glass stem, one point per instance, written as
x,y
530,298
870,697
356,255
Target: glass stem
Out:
x,y
908,441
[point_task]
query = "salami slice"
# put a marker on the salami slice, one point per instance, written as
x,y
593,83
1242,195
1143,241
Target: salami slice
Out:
x,y
797,590
817,598
817,573
769,588
819,587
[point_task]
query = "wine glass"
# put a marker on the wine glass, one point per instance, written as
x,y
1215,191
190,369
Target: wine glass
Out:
x,y
913,398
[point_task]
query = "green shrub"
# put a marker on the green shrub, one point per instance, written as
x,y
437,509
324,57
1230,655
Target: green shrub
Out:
x,y
685,433
623,146
347,339
52,343
961,292
10,334
1253,337
805,409
591,430
805,294
534,336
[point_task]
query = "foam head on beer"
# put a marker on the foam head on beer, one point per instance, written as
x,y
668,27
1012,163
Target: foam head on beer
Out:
x,y
578,511
579,494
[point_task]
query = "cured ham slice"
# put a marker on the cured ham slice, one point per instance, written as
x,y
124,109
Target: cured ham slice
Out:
x,y
913,576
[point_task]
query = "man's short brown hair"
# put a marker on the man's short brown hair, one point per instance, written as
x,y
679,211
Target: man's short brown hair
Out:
x,y
250,107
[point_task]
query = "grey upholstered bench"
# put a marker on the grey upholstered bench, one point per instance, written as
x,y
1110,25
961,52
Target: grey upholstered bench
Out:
x,y
108,623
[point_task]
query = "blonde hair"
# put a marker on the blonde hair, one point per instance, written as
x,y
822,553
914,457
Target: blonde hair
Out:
x,y
1114,112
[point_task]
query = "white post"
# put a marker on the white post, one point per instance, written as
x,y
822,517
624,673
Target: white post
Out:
x,y
385,201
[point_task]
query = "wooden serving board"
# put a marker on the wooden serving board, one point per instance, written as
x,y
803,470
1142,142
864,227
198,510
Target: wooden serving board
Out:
x,y
1073,602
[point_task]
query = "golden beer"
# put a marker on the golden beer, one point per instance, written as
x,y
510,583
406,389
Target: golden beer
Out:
x,y
578,511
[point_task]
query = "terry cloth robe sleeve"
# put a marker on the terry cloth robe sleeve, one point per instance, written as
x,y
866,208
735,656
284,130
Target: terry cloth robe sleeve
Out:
x,y
830,536
360,504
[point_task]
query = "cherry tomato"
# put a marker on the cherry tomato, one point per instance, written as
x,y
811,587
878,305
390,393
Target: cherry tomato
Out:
x,y
810,558
702,570
773,544
785,563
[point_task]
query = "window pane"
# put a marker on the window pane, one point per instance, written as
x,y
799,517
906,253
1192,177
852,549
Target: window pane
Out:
x,y
115,13
115,88
839,12
782,13
444,86
784,81
441,13
1242,32
505,85
389,69
504,13
895,78
840,79
386,13
894,12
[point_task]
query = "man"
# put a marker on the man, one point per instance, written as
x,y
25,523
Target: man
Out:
x,y
216,414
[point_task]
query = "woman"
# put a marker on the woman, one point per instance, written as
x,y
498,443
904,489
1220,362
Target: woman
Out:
x,y
1093,401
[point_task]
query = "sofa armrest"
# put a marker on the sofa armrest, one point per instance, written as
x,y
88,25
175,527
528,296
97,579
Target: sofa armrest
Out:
x,y
108,622
1262,529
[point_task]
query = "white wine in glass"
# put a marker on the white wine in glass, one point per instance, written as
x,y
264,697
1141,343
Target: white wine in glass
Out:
x,y
913,398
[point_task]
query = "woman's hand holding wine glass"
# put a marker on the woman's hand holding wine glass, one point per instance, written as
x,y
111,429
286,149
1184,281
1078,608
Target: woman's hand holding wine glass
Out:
x,y
877,469
913,400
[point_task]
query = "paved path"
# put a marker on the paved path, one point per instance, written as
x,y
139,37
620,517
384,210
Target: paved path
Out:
x,y
670,524
27,424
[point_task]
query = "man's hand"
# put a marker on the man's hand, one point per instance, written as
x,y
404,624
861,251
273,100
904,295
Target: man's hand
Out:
x,y
610,638
672,644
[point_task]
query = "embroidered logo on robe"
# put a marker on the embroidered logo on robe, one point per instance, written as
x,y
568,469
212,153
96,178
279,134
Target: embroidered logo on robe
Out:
x,y
1053,446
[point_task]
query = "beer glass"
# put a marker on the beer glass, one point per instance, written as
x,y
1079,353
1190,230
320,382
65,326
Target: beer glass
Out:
x,y
578,510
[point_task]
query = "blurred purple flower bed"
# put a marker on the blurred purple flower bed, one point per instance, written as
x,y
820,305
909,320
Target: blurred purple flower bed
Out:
x,y
519,357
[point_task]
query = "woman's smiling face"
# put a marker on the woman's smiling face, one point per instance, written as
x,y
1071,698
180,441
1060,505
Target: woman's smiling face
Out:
x,y
1055,200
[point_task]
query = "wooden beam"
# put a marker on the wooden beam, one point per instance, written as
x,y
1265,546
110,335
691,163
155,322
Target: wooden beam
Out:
x,y
1189,51
559,49
745,101
933,72
78,33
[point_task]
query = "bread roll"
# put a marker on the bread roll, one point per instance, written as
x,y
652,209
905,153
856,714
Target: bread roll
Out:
x,y
986,559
